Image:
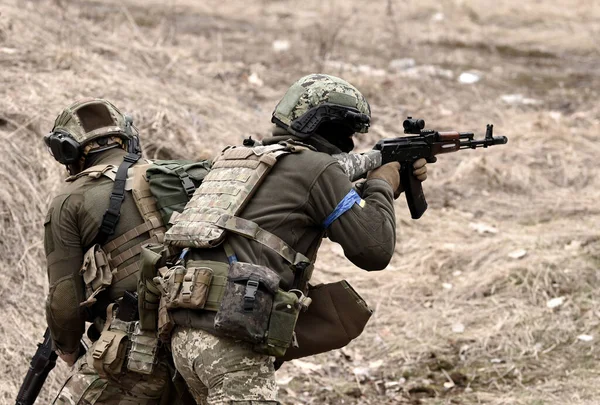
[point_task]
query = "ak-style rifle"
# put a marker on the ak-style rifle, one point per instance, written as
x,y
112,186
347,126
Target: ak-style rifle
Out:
x,y
423,143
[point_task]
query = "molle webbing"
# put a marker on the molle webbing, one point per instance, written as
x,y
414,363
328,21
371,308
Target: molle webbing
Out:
x,y
234,178
129,253
146,203
139,230
153,225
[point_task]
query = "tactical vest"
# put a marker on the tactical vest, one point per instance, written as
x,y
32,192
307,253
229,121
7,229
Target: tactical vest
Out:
x,y
105,265
234,178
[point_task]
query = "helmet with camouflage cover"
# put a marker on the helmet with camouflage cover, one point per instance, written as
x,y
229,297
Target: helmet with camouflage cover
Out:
x,y
90,126
319,98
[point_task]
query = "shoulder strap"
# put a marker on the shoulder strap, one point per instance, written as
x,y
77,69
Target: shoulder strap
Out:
x,y
251,230
113,213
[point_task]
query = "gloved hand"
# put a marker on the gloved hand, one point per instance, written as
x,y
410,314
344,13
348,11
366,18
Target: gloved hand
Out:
x,y
69,358
389,172
420,172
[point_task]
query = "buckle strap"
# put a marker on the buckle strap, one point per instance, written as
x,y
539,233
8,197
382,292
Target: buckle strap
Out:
x,y
251,230
186,181
250,292
101,346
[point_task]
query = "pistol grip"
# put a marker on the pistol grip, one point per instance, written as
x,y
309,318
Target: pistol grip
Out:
x,y
413,191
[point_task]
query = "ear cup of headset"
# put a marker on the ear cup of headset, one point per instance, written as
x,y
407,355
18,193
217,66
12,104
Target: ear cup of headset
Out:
x,y
63,147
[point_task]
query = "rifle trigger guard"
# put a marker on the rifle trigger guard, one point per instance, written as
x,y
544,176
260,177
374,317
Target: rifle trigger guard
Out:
x,y
431,159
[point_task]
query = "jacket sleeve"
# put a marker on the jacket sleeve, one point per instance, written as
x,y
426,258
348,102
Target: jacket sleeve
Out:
x,y
64,255
367,231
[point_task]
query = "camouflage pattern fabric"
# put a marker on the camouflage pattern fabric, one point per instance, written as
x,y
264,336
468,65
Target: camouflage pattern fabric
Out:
x,y
109,120
356,165
221,370
315,89
86,387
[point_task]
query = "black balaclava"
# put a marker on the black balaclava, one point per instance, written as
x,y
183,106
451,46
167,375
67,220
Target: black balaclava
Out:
x,y
338,135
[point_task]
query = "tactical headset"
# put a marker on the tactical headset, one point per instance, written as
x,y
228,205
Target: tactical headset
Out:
x,y
63,147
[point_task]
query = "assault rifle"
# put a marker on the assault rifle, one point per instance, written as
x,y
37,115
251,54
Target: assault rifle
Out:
x,y
425,143
42,363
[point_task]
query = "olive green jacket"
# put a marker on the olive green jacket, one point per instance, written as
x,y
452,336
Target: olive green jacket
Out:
x,y
70,226
294,200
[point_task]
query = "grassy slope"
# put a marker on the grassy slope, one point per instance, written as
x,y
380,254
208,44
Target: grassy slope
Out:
x,y
186,70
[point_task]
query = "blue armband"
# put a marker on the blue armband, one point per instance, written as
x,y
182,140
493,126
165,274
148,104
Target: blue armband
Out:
x,y
347,202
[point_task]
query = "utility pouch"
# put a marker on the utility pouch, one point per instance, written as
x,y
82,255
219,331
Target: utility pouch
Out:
x,y
165,321
96,274
144,350
109,351
187,287
336,315
247,302
217,284
282,322
152,257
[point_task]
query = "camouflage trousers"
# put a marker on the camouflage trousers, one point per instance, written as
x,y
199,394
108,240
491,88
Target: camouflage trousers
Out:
x,y
221,370
86,387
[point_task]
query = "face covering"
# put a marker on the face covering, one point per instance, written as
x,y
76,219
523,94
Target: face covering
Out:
x,y
338,135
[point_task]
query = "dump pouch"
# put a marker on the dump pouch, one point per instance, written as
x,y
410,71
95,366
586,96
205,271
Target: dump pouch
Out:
x,y
96,273
247,302
144,350
336,315
282,322
152,257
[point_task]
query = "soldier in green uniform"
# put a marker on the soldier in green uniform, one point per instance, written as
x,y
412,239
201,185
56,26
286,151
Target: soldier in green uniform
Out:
x,y
304,198
98,145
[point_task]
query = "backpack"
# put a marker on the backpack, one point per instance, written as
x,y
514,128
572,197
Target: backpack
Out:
x,y
173,182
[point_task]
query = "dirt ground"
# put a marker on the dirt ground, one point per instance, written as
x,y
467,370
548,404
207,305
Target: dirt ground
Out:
x,y
491,297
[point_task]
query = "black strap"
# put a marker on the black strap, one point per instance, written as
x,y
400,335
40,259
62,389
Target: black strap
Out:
x,y
113,213
187,183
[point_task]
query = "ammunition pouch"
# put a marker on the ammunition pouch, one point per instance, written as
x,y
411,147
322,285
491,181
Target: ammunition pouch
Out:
x,y
186,287
96,273
336,316
109,351
144,350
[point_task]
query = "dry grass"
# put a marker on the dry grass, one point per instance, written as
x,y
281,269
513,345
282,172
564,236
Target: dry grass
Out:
x,y
453,307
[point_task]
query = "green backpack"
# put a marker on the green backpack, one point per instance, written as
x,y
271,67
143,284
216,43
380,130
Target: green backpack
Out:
x,y
173,182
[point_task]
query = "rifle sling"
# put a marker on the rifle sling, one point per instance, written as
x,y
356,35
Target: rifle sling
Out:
x,y
113,213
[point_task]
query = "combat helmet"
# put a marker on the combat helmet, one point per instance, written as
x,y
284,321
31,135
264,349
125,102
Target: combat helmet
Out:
x,y
317,99
90,126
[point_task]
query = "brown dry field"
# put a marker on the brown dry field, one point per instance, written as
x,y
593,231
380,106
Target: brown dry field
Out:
x,y
464,314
